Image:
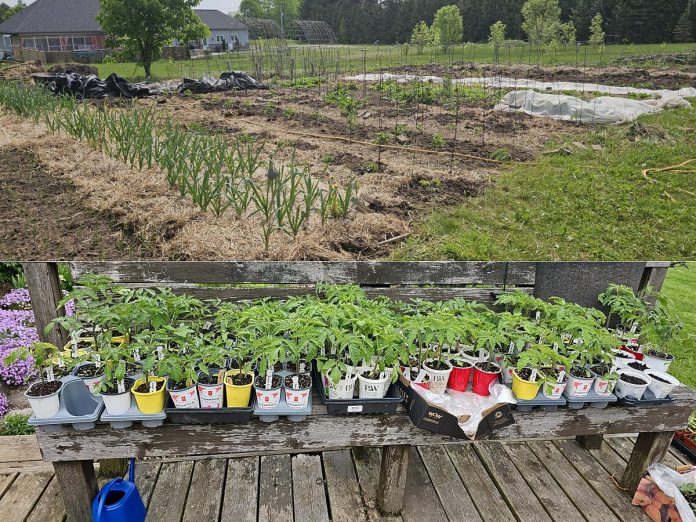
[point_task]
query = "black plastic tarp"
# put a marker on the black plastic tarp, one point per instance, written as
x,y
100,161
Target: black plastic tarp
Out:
x,y
90,86
228,81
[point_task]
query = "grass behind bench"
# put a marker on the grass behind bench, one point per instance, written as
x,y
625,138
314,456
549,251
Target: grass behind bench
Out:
x,y
680,287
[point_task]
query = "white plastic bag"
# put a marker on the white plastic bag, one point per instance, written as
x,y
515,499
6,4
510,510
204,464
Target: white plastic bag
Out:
x,y
668,480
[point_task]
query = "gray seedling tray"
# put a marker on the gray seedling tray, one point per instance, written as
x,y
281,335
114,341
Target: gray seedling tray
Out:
x,y
126,420
591,399
540,401
283,410
78,408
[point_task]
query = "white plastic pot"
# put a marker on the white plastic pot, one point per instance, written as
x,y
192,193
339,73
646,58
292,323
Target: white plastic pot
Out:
x,y
476,356
438,378
579,386
506,371
297,399
632,391
552,389
658,388
604,387
117,404
93,383
211,395
267,399
372,388
622,362
187,398
655,363
47,406
343,389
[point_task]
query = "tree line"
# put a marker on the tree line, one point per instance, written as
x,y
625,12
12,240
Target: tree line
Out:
x,y
393,21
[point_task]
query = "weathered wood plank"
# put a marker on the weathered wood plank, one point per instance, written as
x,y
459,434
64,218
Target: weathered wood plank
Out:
x,y
169,496
308,496
489,502
241,490
573,484
6,481
547,490
392,478
650,447
598,478
322,432
343,488
78,486
19,448
24,493
45,292
420,499
368,462
275,489
449,487
50,506
310,272
513,487
205,493
609,460
623,446
146,474
589,442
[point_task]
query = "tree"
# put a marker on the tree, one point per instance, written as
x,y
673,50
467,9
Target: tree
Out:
x,y
6,11
568,34
422,35
684,30
449,26
497,38
252,9
541,20
145,26
596,32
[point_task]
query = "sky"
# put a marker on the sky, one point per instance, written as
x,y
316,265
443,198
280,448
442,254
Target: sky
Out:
x,y
221,5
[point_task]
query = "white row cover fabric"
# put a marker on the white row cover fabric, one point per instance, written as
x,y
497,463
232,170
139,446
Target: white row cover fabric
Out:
x,y
525,98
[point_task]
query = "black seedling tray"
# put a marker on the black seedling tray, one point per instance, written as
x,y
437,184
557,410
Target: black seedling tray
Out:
x,y
592,400
684,449
540,401
206,415
388,404
647,400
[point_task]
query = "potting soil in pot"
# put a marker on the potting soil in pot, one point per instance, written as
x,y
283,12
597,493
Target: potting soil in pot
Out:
x,y
41,389
304,382
632,379
261,382
145,387
636,365
242,379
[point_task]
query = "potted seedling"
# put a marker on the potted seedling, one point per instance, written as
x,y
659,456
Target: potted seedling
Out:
x,y
181,368
527,377
580,378
623,303
598,346
115,387
658,331
149,391
662,383
268,384
382,348
631,384
43,395
211,353
556,376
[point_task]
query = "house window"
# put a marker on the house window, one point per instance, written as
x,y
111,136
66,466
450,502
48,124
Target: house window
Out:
x,y
54,44
79,43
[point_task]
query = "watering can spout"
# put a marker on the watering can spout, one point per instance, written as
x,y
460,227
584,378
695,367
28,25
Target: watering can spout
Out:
x,y
119,501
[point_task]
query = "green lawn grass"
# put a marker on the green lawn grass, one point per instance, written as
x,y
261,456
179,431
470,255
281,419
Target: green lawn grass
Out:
x,y
680,288
308,60
590,205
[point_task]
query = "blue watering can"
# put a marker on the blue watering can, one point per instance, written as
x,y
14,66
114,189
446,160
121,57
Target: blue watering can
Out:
x,y
119,501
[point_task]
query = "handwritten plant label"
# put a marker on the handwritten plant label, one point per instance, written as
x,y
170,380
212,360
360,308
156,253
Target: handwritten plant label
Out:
x,y
121,386
302,367
136,355
295,382
561,376
61,362
49,374
153,386
511,348
269,379
97,360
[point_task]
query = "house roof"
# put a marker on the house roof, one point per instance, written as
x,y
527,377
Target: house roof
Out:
x,y
54,16
218,20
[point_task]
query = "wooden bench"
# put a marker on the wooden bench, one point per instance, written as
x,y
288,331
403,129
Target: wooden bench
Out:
x,y
72,452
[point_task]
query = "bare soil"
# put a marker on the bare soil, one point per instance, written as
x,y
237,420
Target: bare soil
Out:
x,y
43,217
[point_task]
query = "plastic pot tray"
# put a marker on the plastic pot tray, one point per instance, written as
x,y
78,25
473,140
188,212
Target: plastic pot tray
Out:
x,y
283,410
540,401
78,408
388,404
125,420
207,415
648,399
591,399
686,450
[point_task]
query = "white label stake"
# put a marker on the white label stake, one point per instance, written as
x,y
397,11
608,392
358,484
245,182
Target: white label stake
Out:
x,y
533,377
295,382
49,374
269,379
121,386
136,355
561,375
153,386
511,348
97,360
302,367
61,362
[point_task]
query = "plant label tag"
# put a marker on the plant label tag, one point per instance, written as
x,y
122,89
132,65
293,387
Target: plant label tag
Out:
x,y
49,374
302,367
511,348
269,379
634,327
136,355
612,369
295,382
97,360
481,355
555,347
381,376
421,375
537,316
160,354
533,378
357,408
207,325
121,386
333,349
153,386
221,376
61,362
73,351
561,375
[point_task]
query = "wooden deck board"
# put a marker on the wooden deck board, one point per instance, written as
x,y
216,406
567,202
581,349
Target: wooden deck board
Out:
x,y
623,447
19,500
275,489
454,497
308,496
420,500
6,481
50,506
343,487
241,495
169,496
146,474
367,464
205,494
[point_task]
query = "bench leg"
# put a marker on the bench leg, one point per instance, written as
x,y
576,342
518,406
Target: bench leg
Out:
x,y
78,486
392,478
590,442
650,447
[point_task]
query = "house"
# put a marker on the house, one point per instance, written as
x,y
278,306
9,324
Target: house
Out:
x,y
53,31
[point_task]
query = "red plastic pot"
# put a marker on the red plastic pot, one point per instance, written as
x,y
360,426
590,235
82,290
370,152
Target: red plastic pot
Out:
x,y
639,355
482,380
425,385
459,378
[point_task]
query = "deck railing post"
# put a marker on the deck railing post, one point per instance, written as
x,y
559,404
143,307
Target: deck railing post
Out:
x,y
45,293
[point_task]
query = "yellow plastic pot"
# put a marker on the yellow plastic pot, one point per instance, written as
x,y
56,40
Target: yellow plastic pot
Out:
x,y
150,402
238,396
525,390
